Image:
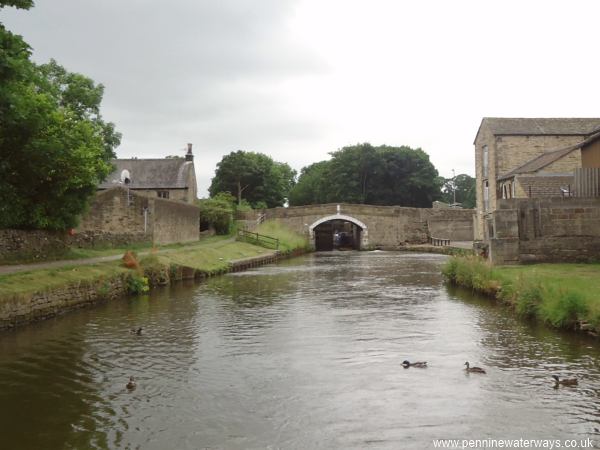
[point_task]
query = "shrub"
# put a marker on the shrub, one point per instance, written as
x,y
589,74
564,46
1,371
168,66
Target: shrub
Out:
x,y
137,284
217,212
103,290
130,260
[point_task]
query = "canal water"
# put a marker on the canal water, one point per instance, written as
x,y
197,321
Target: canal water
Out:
x,y
304,354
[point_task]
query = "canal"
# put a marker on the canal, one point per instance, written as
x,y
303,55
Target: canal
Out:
x,y
304,354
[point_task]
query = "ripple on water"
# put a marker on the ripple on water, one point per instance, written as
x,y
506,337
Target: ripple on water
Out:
x,y
304,354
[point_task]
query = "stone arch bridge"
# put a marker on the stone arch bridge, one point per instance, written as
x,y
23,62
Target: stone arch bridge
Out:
x,y
368,226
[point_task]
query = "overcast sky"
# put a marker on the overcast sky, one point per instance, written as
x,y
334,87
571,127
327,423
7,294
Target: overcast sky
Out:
x,y
296,79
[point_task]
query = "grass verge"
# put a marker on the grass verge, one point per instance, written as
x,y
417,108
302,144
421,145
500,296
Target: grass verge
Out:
x,y
561,295
211,255
288,239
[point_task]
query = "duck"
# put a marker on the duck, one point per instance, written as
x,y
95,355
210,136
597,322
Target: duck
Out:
x,y
421,364
131,385
137,331
473,369
565,381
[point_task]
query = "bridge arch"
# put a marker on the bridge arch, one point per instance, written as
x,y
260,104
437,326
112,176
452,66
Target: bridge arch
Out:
x,y
364,234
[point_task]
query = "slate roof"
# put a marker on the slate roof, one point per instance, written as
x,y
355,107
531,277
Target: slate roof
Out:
x,y
165,173
513,126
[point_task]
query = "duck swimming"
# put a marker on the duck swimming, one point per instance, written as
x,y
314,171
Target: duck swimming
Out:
x,y
131,385
564,382
137,331
473,369
421,364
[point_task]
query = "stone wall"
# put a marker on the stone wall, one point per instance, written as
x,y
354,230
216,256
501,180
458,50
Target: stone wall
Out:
x,y
116,218
546,230
41,245
164,221
174,221
42,305
386,226
117,210
542,186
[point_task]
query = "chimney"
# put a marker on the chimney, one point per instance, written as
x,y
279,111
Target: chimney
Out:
x,y
189,156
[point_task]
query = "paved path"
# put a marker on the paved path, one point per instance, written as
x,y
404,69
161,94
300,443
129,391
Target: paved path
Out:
x,y
84,261
60,263
462,244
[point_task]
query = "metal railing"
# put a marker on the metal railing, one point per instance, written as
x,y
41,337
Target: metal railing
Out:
x,y
258,239
438,242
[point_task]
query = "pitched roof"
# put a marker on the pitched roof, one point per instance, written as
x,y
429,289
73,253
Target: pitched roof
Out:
x,y
540,161
512,126
166,173
545,159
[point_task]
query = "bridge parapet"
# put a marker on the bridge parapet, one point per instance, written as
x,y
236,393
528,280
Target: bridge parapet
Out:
x,y
383,226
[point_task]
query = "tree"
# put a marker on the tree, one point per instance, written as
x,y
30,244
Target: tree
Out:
x,y
217,212
311,187
464,186
374,175
55,146
254,177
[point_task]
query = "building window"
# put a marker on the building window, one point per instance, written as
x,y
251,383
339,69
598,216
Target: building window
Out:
x,y
486,196
485,161
162,194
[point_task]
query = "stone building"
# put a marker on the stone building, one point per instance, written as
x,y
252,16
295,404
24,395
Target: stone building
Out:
x,y
550,174
168,178
510,151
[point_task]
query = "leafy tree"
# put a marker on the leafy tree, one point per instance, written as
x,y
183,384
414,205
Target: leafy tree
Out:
x,y
253,177
217,212
20,4
465,190
374,175
54,143
311,187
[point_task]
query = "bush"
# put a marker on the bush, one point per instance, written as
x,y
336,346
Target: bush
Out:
x,y
137,284
130,260
217,213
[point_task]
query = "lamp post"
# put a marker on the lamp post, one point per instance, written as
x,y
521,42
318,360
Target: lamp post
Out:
x,y
453,187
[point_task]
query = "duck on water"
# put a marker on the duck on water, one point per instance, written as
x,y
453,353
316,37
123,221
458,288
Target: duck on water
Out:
x,y
470,369
421,364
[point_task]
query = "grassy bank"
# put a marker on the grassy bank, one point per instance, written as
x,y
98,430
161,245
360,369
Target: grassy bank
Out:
x,y
288,240
208,256
561,295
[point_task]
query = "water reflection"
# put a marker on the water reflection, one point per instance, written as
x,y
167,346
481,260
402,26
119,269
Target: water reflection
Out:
x,y
304,354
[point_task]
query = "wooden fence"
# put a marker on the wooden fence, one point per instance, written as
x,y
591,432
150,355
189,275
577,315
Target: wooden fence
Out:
x,y
587,182
258,239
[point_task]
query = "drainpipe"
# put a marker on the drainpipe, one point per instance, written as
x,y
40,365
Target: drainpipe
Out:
x,y
145,220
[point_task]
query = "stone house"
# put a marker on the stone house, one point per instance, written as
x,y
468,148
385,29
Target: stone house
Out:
x,y
168,178
510,151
